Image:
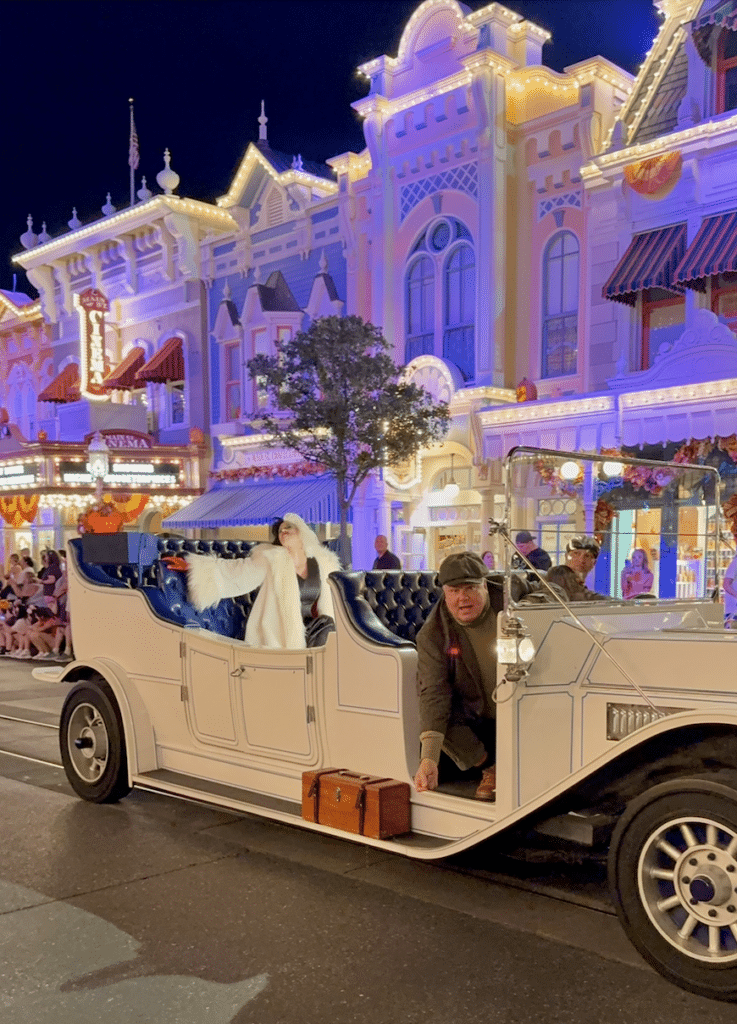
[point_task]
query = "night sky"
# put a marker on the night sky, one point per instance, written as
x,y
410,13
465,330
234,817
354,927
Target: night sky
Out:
x,y
198,73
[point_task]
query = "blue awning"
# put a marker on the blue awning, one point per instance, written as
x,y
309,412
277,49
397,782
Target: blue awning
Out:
x,y
255,503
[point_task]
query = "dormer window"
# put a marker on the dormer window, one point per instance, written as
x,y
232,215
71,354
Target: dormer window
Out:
x,y
726,71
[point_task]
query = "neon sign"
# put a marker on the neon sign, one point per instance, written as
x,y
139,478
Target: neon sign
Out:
x,y
92,307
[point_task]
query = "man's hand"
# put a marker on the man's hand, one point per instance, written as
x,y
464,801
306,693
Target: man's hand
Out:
x,y
427,775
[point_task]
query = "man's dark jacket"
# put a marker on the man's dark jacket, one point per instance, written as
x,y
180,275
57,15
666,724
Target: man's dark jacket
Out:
x,y
387,561
449,684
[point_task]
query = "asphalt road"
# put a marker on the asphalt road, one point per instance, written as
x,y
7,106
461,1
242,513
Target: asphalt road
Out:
x,y
157,910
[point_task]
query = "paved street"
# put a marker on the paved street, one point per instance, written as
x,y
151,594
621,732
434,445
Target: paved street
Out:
x,y
156,910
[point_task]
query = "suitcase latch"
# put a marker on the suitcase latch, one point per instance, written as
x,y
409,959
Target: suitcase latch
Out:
x,y
337,795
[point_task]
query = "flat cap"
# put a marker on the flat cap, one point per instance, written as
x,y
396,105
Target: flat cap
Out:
x,y
465,567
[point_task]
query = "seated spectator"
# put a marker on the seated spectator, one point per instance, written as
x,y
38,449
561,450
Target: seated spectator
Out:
x,y
42,631
20,640
15,570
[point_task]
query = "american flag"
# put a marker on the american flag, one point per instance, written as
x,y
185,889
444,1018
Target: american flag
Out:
x,y
133,154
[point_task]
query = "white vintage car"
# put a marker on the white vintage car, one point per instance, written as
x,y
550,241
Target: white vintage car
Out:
x,y
618,712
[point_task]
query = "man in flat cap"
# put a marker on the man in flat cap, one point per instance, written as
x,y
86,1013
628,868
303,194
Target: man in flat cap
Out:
x,y
456,674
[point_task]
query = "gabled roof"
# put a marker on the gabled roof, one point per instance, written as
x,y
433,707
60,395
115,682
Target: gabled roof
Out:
x,y
18,304
281,167
660,78
275,296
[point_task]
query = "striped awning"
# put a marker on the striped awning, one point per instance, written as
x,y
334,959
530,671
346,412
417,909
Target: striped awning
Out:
x,y
123,376
649,262
256,503
713,18
713,251
165,366
64,387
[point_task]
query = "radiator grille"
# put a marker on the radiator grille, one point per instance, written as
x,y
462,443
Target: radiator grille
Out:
x,y
624,719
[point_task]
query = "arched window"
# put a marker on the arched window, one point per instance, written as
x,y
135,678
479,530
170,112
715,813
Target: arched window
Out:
x,y
460,309
560,306
440,295
420,336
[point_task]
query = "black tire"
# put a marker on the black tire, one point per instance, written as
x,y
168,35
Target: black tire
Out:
x,y
92,744
673,880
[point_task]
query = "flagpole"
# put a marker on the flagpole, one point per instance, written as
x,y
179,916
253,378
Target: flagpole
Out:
x,y
133,154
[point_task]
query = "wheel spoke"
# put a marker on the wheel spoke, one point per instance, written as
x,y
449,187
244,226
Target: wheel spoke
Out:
x,y
669,903
662,873
732,848
687,928
715,936
689,836
712,835
669,850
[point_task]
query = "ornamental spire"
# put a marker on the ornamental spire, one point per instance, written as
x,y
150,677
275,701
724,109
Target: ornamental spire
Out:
x,y
262,126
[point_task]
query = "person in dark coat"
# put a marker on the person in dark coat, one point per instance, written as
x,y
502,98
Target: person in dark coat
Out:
x,y
385,559
537,556
456,674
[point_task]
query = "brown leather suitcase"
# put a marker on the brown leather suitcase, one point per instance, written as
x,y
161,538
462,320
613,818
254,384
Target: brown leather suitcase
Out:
x,y
363,804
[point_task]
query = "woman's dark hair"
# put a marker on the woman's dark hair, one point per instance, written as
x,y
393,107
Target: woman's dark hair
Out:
x,y
274,528
53,559
29,562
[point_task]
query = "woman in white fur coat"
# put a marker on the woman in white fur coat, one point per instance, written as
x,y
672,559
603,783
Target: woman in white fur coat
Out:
x,y
293,608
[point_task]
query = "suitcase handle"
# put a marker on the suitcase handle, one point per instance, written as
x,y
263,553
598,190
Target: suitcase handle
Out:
x,y
361,798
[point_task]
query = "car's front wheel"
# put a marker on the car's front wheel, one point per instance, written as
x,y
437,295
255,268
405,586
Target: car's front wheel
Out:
x,y
673,878
92,744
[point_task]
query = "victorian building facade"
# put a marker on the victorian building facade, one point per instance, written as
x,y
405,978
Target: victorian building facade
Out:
x,y
551,253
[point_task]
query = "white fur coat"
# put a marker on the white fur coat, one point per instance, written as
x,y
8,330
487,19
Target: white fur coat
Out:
x,y
276,618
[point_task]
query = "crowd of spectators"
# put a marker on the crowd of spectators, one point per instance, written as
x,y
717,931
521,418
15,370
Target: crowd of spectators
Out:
x,y
33,608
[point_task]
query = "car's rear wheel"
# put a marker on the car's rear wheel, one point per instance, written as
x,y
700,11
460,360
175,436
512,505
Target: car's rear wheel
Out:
x,y
92,744
673,878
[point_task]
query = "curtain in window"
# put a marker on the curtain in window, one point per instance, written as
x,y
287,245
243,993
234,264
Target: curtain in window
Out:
x,y
420,335
560,305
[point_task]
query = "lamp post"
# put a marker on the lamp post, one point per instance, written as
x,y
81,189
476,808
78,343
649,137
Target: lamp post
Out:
x,y
98,455
451,489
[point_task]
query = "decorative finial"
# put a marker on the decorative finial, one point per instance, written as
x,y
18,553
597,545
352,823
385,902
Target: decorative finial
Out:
x,y
167,179
323,263
257,275
28,239
108,208
144,193
44,237
226,290
262,126
297,163
75,222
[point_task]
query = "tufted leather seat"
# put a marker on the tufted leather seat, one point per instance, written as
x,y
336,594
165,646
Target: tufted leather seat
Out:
x,y
389,608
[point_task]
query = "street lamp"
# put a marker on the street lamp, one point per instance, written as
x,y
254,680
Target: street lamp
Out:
x,y
98,455
451,489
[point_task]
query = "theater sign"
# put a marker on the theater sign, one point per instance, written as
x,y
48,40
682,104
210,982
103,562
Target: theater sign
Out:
x,y
92,306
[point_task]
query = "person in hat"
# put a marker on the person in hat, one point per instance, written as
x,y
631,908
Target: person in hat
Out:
x,y
456,674
581,555
537,556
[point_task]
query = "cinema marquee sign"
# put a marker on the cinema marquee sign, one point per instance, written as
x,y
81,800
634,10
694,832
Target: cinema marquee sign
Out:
x,y
92,306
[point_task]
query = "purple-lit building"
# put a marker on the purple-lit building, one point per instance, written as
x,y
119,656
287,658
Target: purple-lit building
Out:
x,y
515,232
